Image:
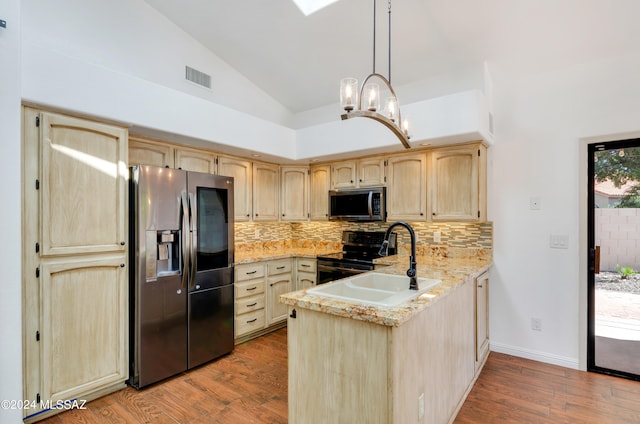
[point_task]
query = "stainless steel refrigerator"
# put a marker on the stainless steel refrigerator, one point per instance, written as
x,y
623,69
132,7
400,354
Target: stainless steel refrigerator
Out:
x,y
181,282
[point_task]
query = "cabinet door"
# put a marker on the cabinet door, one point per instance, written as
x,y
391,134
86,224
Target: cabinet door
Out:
x,y
371,172
294,193
146,152
482,317
241,171
407,192
276,286
454,183
320,185
195,160
84,325
265,192
82,186
344,174
306,280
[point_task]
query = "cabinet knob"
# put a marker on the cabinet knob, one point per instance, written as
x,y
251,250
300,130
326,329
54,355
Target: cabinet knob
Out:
x,y
248,215
256,214
122,243
434,214
282,214
121,265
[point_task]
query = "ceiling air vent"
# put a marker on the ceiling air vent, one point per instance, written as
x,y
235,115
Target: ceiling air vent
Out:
x,y
197,77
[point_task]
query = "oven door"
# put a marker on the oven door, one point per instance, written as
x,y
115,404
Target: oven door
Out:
x,y
328,271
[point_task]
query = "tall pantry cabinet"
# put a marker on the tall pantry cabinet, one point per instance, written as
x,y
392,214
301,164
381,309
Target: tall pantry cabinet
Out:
x,y
75,297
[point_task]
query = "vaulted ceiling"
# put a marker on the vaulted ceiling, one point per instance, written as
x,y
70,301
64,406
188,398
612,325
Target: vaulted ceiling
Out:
x,y
299,60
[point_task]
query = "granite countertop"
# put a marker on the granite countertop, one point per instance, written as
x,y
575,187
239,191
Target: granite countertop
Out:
x,y
452,271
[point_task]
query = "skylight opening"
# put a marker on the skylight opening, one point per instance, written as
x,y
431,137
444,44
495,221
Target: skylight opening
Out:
x,y
311,6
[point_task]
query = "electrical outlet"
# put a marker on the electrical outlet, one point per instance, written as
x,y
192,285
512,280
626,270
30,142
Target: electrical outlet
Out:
x,y
437,236
421,406
536,324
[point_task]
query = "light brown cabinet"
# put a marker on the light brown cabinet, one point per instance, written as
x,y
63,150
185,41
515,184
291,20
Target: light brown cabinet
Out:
x,y
407,187
195,160
482,319
458,182
242,173
294,193
75,320
306,273
279,281
369,172
319,193
250,298
265,191
429,357
150,152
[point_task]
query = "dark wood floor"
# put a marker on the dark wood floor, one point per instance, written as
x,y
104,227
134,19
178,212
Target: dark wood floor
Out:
x,y
250,386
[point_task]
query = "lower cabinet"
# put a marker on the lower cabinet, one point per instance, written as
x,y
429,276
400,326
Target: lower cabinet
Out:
x,y
482,318
258,287
305,273
279,281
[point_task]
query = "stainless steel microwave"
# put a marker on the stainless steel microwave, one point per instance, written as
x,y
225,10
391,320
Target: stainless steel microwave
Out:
x,y
361,204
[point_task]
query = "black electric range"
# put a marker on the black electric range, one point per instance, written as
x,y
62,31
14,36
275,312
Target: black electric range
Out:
x,y
359,249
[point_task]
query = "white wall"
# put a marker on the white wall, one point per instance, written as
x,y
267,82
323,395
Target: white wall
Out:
x,y
539,120
10,193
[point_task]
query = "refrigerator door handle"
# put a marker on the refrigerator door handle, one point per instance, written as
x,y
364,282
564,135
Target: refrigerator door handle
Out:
x,y
185,240
193,231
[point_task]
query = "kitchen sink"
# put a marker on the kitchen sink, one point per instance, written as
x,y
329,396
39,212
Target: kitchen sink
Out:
x,y
374,288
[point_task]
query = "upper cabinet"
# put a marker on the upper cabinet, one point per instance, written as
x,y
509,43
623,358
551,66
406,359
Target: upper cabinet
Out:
x,y
83,203
294,193
147,152
458,183
195,160
407,187
319,197
439,184
241,171
343,174
371,172
265,191
358,173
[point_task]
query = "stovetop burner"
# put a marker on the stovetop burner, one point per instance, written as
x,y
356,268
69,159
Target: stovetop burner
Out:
x,y
361,247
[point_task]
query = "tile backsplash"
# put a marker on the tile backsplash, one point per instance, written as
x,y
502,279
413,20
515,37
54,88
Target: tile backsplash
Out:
x,y
452,234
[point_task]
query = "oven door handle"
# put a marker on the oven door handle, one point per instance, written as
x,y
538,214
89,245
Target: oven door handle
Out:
x,y
370,204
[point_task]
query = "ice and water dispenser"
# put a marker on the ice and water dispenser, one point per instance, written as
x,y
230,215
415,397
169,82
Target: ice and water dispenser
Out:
x,y
163,256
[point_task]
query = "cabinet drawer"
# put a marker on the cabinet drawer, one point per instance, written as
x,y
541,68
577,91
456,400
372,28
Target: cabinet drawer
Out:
x,y
249,288
249,304
279,267
247,323
249,271
307,265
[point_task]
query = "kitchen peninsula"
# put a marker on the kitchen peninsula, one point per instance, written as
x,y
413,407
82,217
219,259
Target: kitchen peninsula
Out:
x,y
414,363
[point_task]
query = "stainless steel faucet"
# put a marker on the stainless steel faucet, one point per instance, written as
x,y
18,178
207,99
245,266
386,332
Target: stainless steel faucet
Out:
x,y
384,251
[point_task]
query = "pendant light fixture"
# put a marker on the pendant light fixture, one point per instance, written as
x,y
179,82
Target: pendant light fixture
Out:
x,y
351,99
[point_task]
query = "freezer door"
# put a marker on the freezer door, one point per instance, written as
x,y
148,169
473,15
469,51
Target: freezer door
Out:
x,y
210,323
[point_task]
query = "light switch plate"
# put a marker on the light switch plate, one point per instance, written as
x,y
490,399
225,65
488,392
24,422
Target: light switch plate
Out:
x,y
559,241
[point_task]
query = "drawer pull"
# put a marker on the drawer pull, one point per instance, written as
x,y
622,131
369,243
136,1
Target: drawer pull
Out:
x,y
252,288
280,267
252,272
252,305
253,320
305,265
